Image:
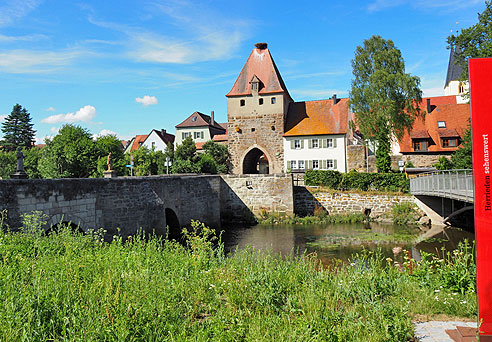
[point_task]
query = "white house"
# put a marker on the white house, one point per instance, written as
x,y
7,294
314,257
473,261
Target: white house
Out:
x,y
158,140
200,127
316,135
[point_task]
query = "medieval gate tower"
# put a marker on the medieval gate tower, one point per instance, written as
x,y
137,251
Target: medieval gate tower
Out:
x,y
256,112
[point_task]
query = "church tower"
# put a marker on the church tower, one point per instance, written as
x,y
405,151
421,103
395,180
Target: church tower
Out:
x,y
453,84
256,111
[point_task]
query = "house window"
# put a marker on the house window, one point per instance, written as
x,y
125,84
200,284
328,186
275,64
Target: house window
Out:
x,y
461,88
193,118
242,103
198,135
153,144
297,144
260,101
315,143
185,135
315,164
449,142
329,143
274,100
293,164
301,164
329,164
441,124
420,145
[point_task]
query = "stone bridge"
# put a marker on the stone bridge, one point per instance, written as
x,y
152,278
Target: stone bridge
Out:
x,y
126,204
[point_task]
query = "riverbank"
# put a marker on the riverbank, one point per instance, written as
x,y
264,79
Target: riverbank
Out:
x,y
76,287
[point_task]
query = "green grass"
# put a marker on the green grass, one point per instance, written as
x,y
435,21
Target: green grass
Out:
x,y
319,217
71,287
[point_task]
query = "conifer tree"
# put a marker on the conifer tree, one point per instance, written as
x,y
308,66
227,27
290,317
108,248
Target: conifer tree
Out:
x,y
18,129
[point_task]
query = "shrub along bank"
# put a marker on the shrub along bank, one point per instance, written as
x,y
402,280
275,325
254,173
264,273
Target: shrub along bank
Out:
x,y
73,287
353,180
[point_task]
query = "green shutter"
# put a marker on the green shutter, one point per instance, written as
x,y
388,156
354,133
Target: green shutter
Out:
x,y
334,142
324,143
302,143
310,143
292,144
323,162
335,164
306,164
310,165
182,136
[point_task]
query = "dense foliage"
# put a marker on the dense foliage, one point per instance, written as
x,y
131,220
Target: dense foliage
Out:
x,y
474,41
214,158
462,158
67,286
8,162
354,180
17,129
383,97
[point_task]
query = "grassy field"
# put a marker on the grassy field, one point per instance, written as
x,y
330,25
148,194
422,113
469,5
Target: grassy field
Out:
x,y
69,287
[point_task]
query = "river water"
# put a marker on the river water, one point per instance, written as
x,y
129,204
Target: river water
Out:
x,y
341,241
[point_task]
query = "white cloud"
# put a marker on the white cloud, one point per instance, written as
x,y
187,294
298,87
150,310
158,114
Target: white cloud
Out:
x,y
84,114
54,130
50,109
15,9
27,61
28,38
147,100
104,132
41,140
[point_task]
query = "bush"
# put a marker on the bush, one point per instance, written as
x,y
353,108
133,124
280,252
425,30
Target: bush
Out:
x,y
404,213
354,180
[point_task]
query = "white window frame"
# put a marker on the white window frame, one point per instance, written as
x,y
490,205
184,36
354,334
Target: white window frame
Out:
x,y
315,164
330,164
301,165
315,143
329,143
185,135
293,164
297,144
441,124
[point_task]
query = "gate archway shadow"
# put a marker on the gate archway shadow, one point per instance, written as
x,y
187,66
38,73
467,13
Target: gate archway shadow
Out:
x,y
256,162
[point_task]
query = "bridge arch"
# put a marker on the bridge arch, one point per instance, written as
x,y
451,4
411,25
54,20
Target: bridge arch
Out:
x,y
76,223
172,224
255,160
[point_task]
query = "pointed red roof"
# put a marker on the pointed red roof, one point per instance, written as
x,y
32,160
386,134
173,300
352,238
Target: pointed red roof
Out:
x,y
260,64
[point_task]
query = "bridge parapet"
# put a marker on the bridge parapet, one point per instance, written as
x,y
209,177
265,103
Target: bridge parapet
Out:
x,y
452,184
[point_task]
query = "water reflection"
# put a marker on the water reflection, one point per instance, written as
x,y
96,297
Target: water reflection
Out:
x,y
341,241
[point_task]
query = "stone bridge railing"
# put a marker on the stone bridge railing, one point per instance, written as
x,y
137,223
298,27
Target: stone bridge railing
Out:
x,y
452,184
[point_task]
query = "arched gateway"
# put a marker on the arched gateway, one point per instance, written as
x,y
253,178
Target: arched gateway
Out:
x,y
255,162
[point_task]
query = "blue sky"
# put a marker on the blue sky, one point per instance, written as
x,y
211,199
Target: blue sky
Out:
x,y
131,66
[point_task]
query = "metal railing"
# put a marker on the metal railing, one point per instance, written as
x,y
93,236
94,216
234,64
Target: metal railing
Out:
x,y
453,184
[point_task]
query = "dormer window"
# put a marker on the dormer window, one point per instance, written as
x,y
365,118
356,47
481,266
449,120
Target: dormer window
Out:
x,y
441,124
255,85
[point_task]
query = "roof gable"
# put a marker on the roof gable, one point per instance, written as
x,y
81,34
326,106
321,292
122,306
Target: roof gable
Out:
x,y
317,118
454,70
198,119
162,135
260,65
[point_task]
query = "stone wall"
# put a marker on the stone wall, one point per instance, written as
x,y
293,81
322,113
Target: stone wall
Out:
x,y
423,160
356,158
118,204
243,196
345,203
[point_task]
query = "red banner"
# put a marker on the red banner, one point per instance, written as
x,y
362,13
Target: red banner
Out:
x,y
481,109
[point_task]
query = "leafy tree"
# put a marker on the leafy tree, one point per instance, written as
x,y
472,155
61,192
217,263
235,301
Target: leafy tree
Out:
x,y
184,166
207,164
383,97
443,163
474,41
17,129
169,151
71,154
186,151
462,157
383,158
104,145
8,164
220,155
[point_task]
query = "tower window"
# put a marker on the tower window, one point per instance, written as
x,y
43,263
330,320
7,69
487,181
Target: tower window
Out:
x,y
260,101
242,103
253,129
461,88
274,100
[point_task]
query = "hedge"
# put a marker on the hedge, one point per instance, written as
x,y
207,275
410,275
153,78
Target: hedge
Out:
x,y
354,180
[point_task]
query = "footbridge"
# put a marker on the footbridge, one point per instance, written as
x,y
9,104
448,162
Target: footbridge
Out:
x,y
444,195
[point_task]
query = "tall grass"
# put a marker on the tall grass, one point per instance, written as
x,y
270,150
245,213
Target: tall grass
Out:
x,y
72,287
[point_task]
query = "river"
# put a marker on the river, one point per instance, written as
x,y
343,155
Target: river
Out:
x,y
341,241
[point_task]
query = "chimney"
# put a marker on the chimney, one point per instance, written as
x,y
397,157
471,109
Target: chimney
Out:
x,y
212,121
261,46
334,99
429,109
163,131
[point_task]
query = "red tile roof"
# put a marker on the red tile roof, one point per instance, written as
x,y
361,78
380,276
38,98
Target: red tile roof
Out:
x,y
199,145
137,142
419,134
260,64
317,117
198,119
220,137
444,108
